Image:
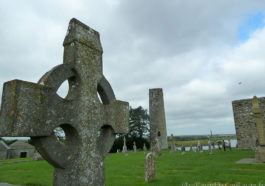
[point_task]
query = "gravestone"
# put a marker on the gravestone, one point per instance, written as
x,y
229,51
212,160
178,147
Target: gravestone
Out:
x,y
124,148
145,149
134,147
260,151
183,149
229,145
199,146
210,147
150,168
157,147
172,145
35,110
191,149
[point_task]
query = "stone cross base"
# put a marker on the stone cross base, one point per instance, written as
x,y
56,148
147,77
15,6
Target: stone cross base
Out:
x,y
260,154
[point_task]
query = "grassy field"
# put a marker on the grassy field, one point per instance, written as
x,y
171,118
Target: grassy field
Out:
x,y
172,169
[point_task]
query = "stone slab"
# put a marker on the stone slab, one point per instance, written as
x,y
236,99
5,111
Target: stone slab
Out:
x,y
247,161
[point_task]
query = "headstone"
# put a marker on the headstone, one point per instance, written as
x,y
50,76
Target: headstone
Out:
x,y
210,147
145,149
191,149
124,148
199,146
36,156
260,151
224,146
118,150
157,148
35,110
229,145
157,118
219,143
150,168
182,149
172,145
134,147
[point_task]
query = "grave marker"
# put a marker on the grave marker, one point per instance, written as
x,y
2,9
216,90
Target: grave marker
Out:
x,y
260,152
150,169
35,110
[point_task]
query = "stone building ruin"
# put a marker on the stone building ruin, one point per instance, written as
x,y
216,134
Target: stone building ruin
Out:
x,y
3,150
18,149
245,123
157,118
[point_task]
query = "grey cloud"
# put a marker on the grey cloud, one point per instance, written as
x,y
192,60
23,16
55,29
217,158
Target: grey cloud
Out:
x,y
190,49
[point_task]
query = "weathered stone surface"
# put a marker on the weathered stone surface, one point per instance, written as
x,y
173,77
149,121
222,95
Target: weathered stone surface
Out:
x,y
144,148
157,117
157,147
183,149
210,147
172,144
260,151
21,149
150,167
124,148
3,150
34,110
245,123
134,147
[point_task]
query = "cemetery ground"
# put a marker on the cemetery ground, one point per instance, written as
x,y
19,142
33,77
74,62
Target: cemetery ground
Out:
x,y
171,169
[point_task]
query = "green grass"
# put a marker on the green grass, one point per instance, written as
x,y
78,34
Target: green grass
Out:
x,y
18,159
172,169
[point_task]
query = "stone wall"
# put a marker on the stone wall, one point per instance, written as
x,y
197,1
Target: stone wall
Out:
x,y
157,117
245,123
3,154
16,153
3,150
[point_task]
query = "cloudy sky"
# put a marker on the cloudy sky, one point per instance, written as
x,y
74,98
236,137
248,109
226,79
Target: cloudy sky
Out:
x,y
203,53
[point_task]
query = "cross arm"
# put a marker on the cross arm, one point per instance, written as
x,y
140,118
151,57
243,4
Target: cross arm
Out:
x,y
116,114
21,109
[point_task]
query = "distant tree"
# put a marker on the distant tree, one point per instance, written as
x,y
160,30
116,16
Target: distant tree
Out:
x,y
139,130
138,122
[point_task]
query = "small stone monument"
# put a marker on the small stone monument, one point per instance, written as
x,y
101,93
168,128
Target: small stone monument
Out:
x,y
145,149
150,167
229,145
118,150
134,147
172,145
157,148
124,148
90,125
199,146
210,147
191,149
182,149
260,152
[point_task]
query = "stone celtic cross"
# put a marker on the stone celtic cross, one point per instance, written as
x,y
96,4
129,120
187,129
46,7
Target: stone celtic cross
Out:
x,y
259,121
260,151
35,110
